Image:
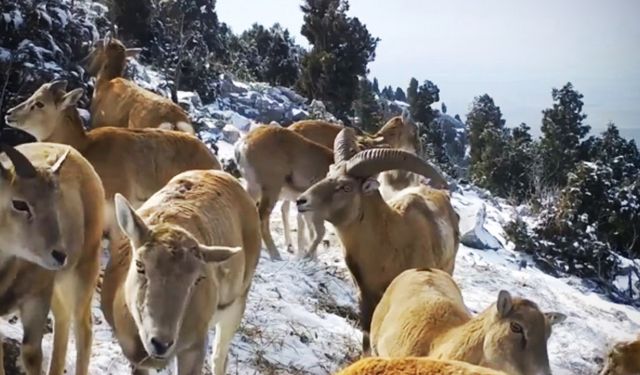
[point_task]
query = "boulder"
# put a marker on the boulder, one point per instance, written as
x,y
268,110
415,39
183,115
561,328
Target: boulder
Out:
x,y
230,133
479,237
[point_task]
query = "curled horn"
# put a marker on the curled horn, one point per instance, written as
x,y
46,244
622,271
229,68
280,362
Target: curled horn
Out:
x,y
22,165
370,162
345,145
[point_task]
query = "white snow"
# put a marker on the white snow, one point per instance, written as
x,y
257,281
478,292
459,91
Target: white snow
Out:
x,y
295,319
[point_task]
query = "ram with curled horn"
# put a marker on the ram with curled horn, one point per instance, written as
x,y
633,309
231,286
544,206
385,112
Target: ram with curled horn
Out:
x,y
418,228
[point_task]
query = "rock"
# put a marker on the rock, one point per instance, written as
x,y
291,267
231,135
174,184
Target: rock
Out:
x,y
189,99
230,133
11,356
479,237
293,96
228,86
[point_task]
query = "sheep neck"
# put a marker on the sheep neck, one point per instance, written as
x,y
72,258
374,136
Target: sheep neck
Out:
x,y
464,342
70,131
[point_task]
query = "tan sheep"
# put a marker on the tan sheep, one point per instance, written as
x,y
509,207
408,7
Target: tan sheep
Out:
x,y
120,102
51,222
418,228
422,314
193,250
414,366
623,359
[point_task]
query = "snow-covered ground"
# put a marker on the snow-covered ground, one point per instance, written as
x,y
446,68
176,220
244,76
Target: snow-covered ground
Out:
x,y
300,316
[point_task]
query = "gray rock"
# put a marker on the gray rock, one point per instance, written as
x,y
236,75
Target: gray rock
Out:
x,y
230,133
293,96
479,237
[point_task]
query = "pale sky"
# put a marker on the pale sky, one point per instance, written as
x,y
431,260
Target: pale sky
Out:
x,y
514,50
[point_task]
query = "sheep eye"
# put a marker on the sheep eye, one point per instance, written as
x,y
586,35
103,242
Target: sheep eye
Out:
x,y
346,188
199,279
516,328
139,267
39,104
21,206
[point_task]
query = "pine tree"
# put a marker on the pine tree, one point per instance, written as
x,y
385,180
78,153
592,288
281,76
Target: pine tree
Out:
x,y
376,88
412,90
562,132
484,114
366,107
341,49
421,100
399,95
443,108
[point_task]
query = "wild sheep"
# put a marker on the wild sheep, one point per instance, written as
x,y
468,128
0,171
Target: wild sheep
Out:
x,y
623,359
279,163
422,314
133,162
194,247
414,366
120,102
418,228
50,231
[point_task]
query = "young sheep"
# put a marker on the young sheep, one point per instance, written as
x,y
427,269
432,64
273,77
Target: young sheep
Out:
x,y
414,366
623,359
193,250
120,102
278,163
133,162
418,228
422,314
51,225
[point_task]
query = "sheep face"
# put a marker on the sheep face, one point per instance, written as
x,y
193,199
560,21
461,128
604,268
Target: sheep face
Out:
x,y
29,211
400,133
516,339
338,197
623,359
38,114
167,266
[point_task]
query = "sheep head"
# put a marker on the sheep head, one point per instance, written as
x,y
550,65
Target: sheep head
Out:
x,y
338,197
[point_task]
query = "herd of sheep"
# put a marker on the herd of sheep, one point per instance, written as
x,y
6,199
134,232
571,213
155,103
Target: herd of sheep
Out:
x,y
185,237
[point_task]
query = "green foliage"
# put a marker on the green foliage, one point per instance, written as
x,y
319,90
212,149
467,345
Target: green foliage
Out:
x,y
484,114
341,49
133,18
270,55
420,100
562,131
366,107
400,95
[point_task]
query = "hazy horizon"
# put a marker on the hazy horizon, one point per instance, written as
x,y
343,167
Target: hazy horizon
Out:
x,y
514,51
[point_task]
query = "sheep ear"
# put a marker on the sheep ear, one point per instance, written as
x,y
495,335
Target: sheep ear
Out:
x,y
554,318
132,52
130,223
370,185
214,254
71,98
504,304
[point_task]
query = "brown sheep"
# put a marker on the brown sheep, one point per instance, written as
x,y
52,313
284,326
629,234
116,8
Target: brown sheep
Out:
x,y
120,102
414,366
623,359
422,314
51,222
418,228
192,252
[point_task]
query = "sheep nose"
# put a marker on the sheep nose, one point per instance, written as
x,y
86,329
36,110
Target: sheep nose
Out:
x,y
160,347
59,257
301,201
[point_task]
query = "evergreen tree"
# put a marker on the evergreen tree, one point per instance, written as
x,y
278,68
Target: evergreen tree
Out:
x,y
443,108
521,134
133,18
366,107
387,93
617,153
484,114
562,132
271,55
399,95
376,88
412,90
420,102
341,49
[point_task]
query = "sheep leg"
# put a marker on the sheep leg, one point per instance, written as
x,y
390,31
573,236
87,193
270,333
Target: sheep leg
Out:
x,y
318,234
368,304
284,207
62,321
302,234
228,321
267,202
34,320
191,361
83,293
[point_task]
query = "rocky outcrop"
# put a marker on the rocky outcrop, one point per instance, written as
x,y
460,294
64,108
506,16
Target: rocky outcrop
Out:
x,y
479,237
